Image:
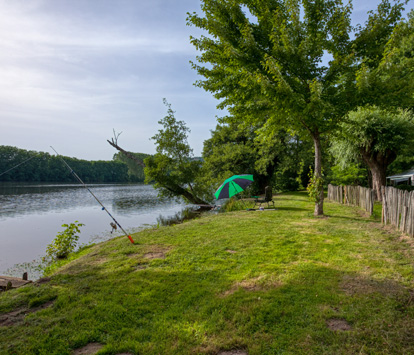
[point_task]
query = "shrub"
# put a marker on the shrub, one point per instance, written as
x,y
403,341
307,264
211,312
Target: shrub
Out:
x,y
233,204
65,241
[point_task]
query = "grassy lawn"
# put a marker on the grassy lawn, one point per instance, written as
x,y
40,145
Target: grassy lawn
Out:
x,y
271,282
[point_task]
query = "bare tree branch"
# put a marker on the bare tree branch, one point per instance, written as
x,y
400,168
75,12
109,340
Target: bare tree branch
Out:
x,y
129,155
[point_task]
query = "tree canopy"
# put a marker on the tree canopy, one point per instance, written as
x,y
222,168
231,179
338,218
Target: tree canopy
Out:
x,y
173,168
267,61
375,136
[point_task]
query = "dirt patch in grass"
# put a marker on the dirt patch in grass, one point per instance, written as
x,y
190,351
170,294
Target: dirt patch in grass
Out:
x,y
362,213
16,316
353,285
81,264
91,348
43,280
389,228
231,251
233,352
407,239
140,267
152,252
154,255
338,324
255,284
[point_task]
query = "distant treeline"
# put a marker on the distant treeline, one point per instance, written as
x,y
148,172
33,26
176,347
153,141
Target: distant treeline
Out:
x,y
135,171
46,167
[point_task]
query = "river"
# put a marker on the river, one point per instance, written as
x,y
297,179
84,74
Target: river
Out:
x,y
32,214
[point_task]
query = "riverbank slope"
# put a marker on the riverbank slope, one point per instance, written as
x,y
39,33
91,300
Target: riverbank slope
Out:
x,y
260,282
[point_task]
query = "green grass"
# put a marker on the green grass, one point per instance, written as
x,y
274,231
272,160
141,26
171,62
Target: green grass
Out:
x,y
266,282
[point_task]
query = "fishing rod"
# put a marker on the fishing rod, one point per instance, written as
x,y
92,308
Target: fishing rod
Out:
x,y
85,186
14,167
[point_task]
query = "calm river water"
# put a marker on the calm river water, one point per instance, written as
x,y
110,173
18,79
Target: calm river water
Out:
x,y
32,214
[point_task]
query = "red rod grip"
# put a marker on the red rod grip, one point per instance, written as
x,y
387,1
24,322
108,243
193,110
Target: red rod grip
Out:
x,y
130,238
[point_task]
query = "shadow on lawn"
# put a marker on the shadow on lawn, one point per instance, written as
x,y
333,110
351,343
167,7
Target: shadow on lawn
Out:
x,y
356,219
165,307
291,209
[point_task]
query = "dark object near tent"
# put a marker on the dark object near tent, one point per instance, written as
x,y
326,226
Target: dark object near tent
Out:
x,y
233,185
268,197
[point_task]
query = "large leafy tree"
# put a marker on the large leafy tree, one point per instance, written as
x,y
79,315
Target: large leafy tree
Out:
x,y
173,168
239,150
234,150
375,136
267,62
384,53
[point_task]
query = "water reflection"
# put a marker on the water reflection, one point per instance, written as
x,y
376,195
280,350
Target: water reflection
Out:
x,y
32,214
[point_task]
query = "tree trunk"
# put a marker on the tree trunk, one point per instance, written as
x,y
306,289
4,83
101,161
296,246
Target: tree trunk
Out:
x,y
318,172
378,179
378,163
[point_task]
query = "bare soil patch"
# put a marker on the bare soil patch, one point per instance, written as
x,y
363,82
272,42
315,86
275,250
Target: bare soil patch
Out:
x,y
231,251
155,255
16,316
140,267
362,213
233,352
43,280
85,262
337,324
358,285
407,239
255,284
152,252
156,252
91,348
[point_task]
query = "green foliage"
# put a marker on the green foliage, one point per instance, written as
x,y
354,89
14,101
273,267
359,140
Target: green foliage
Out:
x,y
264,61
234,149
46,167
65,241
384,50
371,133
234,204
265,64
173,168
315,187
135,171
352,174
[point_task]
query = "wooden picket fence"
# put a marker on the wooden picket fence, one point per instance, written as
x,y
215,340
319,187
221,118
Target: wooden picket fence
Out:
x,y
397,205
359,196
398,209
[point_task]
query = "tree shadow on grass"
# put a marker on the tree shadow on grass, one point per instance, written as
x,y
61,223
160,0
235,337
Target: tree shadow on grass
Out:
x,y
356,219
185,308
291,209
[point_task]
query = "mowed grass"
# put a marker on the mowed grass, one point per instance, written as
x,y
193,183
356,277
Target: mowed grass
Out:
x,y
271,282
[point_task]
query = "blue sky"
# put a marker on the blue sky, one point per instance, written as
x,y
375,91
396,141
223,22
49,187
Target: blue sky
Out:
x,y
73,70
